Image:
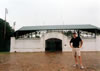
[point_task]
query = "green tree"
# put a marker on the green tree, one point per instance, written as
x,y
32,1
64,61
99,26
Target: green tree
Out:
x,y
68,33
5,41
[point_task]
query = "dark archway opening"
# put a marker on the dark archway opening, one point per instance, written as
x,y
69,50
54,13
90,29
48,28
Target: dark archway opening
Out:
x,y
53,44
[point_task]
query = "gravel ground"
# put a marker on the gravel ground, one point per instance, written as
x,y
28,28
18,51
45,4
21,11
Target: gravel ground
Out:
x,y
48,61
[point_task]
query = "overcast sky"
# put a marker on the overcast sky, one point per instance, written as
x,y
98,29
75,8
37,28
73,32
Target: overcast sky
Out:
x,y
51,12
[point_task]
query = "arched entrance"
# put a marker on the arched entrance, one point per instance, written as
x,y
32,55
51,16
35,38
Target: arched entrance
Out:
x,y
53,44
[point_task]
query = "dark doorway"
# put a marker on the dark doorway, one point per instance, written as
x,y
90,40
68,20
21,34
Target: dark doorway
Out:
x,y
53,44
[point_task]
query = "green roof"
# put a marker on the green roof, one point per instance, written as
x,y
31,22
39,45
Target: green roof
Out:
x,y
58,27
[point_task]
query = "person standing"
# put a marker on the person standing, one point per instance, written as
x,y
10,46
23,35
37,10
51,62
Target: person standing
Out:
x,y
76,43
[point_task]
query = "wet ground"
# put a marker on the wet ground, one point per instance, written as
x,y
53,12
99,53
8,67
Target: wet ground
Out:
x,y
55,61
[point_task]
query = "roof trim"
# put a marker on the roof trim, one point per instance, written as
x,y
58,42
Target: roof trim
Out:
x,y
58,27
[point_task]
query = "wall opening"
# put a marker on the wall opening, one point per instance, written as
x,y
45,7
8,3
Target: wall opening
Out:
x,y
53,44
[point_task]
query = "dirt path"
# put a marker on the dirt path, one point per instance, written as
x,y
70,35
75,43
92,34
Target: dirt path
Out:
x,y
56,61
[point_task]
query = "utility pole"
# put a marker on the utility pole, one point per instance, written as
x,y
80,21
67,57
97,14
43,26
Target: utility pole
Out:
x,y
6,12
14,23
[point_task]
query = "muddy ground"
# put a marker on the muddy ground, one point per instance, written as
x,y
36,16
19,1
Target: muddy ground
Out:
x,y
49,61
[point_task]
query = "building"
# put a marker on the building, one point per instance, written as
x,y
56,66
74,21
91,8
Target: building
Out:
x,y
54,38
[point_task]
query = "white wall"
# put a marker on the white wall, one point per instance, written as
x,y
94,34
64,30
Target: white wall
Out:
x,y
38,45
59,36
90,44
27,45
98,43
